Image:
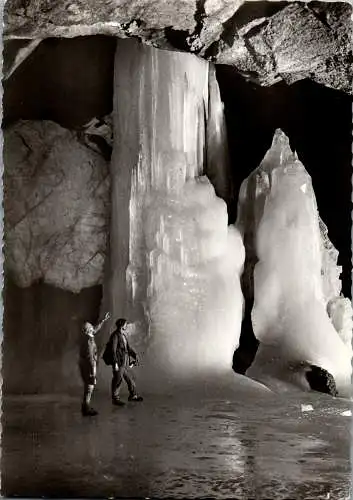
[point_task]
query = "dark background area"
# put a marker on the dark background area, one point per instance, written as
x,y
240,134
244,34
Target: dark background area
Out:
x,y
70,81
42,325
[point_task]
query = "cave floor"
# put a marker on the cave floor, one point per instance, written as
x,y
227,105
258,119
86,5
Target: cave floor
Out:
x,y
177,446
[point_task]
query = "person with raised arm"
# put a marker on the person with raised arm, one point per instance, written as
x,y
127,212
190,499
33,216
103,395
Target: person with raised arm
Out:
x,y
88,364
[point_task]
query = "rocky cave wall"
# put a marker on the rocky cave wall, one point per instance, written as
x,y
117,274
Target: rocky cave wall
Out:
x,y
69,81
265,41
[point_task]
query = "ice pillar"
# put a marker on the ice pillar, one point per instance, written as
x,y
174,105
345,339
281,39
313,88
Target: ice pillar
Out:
x,y
175,264
159,108
296,272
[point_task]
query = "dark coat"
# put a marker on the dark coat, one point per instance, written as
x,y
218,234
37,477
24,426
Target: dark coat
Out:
x,y
121,350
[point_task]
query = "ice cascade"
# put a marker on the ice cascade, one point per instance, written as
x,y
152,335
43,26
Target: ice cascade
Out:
x,y
175,264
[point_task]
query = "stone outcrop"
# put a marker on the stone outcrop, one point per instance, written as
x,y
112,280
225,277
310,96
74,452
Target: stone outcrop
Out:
x,y
265,41
56,197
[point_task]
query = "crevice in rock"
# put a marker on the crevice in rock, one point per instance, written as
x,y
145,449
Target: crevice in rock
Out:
x,y
177,38
320,15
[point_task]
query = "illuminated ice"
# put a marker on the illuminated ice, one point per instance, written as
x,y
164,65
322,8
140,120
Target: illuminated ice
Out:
x,y
174,263
290,311
330,271
340,311
195,300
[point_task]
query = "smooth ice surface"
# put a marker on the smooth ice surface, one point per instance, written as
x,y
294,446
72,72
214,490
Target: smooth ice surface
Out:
x,y
175,265
289,313
178,445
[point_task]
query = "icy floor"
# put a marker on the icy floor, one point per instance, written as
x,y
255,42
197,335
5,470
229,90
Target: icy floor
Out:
x,y
182,445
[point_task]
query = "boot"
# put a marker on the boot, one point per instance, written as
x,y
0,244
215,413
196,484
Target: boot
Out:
x,y
117,402
135,397
88,412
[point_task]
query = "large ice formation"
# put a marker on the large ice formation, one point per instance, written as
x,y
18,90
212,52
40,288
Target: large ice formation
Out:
x,y
56,205
292,278
175,264
195,298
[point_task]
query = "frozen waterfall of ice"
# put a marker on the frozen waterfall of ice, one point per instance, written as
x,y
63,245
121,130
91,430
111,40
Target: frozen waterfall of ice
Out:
x,y
290,315
195,299
174,262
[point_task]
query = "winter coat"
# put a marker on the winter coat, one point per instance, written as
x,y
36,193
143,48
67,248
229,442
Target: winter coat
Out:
x,y
121,351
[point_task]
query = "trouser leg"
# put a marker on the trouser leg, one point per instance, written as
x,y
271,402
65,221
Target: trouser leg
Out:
x,y
130,383
116,382
87,395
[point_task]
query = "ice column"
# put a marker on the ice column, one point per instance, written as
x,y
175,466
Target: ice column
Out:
x,y
217,166
175,264
290,311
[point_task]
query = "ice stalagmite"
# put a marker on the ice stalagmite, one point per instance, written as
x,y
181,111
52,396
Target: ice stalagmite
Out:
x,y
290,310
175,264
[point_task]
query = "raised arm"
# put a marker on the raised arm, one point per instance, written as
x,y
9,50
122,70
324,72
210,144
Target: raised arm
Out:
x,y
104,320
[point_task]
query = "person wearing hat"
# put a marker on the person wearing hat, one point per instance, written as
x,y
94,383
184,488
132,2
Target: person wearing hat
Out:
x,y
88,364
120,355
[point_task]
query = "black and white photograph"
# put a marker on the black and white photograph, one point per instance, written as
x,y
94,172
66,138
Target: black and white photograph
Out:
x,y
177,249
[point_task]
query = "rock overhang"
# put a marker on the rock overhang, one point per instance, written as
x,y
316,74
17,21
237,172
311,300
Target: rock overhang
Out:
x,y
266,42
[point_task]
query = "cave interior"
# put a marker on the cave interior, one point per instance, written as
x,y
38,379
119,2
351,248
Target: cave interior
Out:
x,y
70,81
